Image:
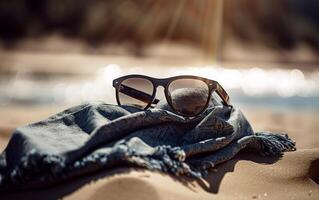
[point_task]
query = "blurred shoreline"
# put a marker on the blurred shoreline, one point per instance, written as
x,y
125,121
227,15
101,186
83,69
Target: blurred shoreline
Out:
x,y
232,53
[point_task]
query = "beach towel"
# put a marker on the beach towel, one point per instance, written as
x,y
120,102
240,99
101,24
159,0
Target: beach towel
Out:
x,y
97,136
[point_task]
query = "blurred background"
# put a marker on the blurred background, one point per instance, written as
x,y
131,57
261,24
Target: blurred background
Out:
x,y
56,54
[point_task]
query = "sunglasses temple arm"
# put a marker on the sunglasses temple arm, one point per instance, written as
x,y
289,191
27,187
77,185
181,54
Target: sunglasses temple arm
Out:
x,y
142,96
223,94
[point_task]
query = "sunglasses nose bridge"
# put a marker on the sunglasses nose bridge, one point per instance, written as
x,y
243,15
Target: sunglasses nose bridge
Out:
x,y
160,83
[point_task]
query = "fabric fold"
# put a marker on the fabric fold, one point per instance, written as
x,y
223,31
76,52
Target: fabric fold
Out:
x,y
96,136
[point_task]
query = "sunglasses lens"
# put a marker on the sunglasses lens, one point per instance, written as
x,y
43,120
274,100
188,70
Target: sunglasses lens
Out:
x,y
135,92
188,96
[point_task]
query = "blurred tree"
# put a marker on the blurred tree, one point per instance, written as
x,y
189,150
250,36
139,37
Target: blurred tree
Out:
x,y
280,24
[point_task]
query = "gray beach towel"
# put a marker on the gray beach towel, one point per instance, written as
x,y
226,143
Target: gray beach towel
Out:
x,y
95,136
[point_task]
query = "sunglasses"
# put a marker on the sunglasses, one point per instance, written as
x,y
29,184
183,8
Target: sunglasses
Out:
x,y
186,95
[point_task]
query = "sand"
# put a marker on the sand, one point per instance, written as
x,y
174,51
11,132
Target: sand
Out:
x,y
247,176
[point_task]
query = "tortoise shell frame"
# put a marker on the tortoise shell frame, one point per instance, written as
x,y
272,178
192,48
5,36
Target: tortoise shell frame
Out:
x,y
213,86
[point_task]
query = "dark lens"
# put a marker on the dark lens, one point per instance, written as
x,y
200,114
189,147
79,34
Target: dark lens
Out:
x,y
135,92
188,96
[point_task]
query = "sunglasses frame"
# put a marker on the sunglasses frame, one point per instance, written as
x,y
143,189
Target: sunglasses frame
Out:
x,y
213,86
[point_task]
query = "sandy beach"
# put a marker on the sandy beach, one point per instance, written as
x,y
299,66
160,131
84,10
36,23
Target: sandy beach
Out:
x,y
244,177
294,176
